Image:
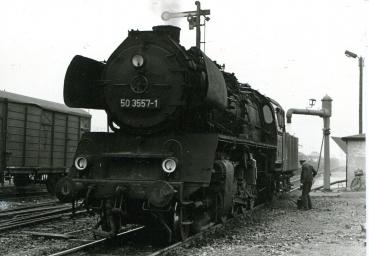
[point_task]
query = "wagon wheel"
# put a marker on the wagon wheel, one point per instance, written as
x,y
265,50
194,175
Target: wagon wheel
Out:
x,y
21,180
181,230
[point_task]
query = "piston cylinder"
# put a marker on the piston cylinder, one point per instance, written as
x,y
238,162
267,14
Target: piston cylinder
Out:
x,y
67,190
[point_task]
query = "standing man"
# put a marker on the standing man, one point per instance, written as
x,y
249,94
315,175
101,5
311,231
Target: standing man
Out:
x,y
307,175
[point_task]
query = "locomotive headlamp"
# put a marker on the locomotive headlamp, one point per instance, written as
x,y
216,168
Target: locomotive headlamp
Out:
x,y
137,61
80,163
169,165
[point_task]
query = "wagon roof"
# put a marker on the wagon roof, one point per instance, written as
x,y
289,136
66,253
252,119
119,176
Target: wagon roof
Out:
x,y
49,105
354,137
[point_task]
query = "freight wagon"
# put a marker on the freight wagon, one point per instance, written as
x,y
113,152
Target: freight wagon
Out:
x,y
38,139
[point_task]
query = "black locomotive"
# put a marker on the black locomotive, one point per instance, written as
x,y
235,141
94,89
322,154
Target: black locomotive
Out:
x,y
190,144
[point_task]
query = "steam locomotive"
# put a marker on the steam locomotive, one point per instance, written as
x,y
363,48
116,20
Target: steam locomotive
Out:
x,y
190,144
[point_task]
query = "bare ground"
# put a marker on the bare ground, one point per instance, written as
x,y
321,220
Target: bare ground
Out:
x,y
336,226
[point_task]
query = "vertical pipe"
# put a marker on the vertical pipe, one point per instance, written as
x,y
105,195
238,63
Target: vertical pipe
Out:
x,y
198,31
346,167
361,94
327,108
327,164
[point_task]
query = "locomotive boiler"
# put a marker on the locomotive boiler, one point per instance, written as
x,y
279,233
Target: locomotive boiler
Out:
x,y
190,144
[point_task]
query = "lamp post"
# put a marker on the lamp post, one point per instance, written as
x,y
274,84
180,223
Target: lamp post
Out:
x,y
361,64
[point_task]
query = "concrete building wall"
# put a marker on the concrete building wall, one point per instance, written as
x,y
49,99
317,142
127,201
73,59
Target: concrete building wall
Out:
x,y
355,159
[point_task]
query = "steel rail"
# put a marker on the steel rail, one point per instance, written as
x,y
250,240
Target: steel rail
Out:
x,y
31,210
91,244
28,222
211,228
27,217
24,195
29,207
38,219
294,189
332,183
294,180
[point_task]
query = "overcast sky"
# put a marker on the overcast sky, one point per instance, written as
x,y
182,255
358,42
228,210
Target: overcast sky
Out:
x,y
289,50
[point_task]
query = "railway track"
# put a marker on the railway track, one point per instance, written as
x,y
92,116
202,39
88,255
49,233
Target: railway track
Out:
x,y
296,184
24,216
89,246
86,247
24,195
20,193
96,242
49,203
198,235
6,215
150,251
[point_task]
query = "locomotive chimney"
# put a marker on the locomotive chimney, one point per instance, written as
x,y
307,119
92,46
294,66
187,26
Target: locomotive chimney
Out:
x,y
172,31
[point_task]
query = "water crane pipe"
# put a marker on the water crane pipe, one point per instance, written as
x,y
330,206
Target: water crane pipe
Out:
x,y
325,113
321,113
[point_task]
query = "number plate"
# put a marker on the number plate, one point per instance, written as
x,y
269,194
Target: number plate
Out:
x,y
140,103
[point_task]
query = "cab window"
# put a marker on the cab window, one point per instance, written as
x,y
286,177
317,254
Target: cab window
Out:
x,y
268,115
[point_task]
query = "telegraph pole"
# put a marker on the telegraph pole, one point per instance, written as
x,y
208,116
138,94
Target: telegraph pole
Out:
x,y
361,64
198,28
